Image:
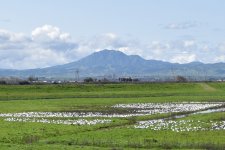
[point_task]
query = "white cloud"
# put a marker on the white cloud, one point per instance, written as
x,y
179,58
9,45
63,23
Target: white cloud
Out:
x,y
110,35
7,36
46,46
183,58
221,47
189,43
110,41
182,25
49,33
30,58
182,51
205,47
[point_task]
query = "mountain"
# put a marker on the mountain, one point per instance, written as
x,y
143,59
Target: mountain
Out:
x,y
109,62
113,62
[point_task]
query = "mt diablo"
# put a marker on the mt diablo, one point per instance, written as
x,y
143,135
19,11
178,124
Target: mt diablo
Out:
x,y
112,62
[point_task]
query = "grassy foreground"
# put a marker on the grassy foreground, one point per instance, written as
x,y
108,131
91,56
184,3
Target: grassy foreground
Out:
x,y
119,134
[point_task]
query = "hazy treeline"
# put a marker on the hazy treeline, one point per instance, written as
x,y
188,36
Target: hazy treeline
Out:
x,y
14,80
36,80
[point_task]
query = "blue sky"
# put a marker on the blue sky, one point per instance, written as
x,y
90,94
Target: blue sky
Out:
x,y
41,33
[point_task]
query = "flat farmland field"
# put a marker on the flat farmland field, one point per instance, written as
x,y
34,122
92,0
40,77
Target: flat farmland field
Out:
x,y
113,116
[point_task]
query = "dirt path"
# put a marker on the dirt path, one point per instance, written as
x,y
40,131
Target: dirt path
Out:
x,y
207,87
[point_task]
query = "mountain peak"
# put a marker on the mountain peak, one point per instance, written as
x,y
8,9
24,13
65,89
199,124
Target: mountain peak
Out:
x,y
109,52
115,54
196,63
105,57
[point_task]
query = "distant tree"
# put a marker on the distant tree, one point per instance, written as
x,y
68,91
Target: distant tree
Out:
x,y
88,80
55,82
32,78
12,80
136,80
127,79
104,80
23,82
181,79
2,82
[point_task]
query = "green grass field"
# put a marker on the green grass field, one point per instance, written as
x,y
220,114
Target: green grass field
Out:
x,y
120,132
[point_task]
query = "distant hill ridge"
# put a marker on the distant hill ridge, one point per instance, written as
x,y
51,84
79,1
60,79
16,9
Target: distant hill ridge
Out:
x,y
109,62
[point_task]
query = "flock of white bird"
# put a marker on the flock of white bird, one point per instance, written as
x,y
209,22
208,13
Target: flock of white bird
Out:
x,y
66,122
134,109
181,125
154,108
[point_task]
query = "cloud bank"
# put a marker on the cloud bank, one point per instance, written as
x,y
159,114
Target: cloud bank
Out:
x,y
48,46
